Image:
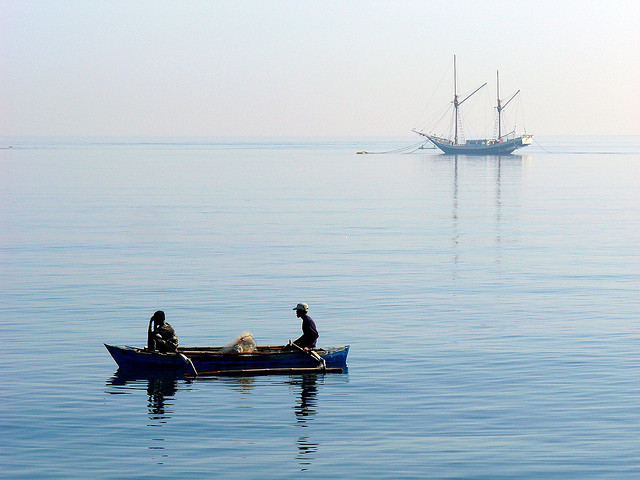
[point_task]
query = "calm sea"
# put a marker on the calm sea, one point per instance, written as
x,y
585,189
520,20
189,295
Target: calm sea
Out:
x,y
492,306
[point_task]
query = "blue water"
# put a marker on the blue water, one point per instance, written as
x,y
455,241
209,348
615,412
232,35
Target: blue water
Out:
x,y
491,304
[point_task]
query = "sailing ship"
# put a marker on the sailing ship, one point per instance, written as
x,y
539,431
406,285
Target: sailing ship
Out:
x,y
501,145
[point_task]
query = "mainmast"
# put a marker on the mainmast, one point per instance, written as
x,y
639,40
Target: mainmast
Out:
x,y
456,103
455,97
501,107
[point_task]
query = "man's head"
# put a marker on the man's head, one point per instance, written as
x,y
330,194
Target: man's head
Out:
x,y
158,318
301,309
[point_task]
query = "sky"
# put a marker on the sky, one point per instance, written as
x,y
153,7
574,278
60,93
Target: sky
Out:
x,y
311,69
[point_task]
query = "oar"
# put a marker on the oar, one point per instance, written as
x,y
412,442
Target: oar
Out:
x,y
188,360
312,354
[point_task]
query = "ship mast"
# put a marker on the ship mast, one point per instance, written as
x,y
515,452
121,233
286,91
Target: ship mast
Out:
x,y
456,103
501,107
455,98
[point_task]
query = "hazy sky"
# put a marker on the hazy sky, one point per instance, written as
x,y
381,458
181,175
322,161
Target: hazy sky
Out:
x,y
309,68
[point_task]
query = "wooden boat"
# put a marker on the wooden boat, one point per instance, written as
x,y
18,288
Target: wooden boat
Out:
x,y
502,144
265,360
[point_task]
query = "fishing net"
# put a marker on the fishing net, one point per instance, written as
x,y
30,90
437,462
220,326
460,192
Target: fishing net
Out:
x,y
244,343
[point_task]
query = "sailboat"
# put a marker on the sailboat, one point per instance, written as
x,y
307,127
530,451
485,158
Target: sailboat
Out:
x,y
501,145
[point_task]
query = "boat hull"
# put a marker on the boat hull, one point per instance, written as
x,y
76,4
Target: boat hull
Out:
x,y
211,360
480,147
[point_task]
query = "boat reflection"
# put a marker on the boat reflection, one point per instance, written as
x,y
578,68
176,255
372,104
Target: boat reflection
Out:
x,y
306,407
162,392
160,389
304,410
157,391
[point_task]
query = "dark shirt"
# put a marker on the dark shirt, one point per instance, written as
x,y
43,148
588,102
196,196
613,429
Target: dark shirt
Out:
x,y
167,333
309,333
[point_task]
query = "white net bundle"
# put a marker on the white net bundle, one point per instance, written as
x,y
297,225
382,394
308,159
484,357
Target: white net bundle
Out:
x,y
244,343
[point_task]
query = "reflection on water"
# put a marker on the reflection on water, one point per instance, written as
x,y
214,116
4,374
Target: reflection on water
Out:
x,y
454,219
308,392
496,162
304,410
499,207
161,392
307,452
157,390
243,385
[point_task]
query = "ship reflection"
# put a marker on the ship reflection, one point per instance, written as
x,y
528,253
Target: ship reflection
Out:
x,y
501,164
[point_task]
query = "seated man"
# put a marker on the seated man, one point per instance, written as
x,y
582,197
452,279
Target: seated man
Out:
x,y
309,330
163,337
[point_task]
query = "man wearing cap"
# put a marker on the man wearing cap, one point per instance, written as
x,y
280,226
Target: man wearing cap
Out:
x,y
163,337
309,330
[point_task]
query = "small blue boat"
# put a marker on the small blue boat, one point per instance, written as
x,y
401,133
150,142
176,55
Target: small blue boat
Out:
x,y
265,360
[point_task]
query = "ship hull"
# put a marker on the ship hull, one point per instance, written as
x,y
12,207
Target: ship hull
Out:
x,y
480,147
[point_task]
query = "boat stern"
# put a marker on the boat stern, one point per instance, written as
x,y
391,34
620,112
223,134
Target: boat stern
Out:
x,y
336,357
